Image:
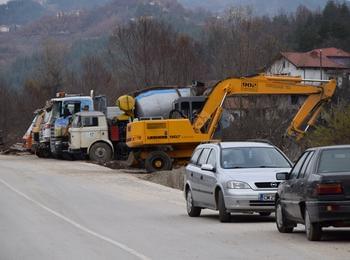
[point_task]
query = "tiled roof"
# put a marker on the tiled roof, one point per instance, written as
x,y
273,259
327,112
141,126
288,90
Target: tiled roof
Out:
x,y
332,58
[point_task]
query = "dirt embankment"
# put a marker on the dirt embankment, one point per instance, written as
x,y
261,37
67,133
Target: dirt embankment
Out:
x,y
173,179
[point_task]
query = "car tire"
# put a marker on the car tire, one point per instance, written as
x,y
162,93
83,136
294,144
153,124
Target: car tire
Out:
x,y
282,223
265,214
192,211
100,152
224,216
313,230
158,161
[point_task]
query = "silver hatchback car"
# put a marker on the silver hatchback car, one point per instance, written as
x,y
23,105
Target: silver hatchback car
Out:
x,y
234,177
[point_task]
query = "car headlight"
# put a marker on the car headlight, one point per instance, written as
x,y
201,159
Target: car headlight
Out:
x,y
238,185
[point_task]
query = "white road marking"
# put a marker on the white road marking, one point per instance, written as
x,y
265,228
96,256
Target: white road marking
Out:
x,y
77,225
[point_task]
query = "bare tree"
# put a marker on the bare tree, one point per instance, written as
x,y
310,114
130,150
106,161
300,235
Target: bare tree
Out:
x,y
240,44
95,76
52,65
149,52
262,117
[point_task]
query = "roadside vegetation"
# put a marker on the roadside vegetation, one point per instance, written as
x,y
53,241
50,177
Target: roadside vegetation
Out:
x,y
335,128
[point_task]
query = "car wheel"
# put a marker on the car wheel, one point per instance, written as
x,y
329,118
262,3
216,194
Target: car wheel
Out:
x,y
313,230
224,216
264,214
281,222
100,152
158,161
192,211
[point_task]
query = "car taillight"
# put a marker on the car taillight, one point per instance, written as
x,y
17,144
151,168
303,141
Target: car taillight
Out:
x,y
329,189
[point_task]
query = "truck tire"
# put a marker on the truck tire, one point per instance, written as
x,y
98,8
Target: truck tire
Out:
x,y
43,153
100,152
158,161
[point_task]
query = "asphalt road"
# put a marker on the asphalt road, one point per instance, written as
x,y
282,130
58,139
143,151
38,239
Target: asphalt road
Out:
x,y
74,210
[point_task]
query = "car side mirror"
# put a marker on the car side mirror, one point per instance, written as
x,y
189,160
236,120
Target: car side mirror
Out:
x,y
208,167
282,176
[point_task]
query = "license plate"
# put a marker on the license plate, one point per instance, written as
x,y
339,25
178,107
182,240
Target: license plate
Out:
x,y
267,197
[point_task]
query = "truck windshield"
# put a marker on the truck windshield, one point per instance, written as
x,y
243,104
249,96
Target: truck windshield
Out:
x,y
56,109
252,157
334,160
70,108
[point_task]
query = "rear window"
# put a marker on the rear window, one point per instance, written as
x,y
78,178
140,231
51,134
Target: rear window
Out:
x,y
334,160
253,157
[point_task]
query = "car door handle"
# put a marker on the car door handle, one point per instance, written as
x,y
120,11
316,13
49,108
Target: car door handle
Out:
x,y
201,177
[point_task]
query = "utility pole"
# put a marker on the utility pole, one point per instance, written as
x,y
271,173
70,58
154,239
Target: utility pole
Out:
x,y
320,64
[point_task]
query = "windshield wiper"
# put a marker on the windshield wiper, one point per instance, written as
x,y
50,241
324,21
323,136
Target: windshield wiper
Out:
x,y
267,166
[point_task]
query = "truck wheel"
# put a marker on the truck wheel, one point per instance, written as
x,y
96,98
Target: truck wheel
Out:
x,y
57,156
100,152
43,153
158,161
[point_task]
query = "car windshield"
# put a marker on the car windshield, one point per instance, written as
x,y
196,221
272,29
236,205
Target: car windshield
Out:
x,y
334,160
253,157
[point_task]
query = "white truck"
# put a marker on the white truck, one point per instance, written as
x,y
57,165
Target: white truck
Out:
x,y
92,135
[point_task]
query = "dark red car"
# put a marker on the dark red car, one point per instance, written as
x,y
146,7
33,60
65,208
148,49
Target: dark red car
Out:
x,y
316,192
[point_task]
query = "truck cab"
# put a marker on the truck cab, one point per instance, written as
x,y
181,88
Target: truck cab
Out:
x,y
63,110
89,135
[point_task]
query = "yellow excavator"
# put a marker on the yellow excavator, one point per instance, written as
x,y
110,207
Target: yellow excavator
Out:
x,y
157,143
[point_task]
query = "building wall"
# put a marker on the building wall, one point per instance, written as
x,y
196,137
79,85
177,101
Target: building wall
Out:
x,y
283,66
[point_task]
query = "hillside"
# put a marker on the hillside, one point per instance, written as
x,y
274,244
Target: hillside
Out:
x,y
103,19
68,5
20,12
84,24
260,6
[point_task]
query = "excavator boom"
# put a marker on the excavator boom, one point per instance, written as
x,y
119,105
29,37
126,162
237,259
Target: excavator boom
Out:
x,y
267,85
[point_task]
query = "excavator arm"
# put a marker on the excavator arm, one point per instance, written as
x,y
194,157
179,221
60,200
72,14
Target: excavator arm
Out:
x,y
318,92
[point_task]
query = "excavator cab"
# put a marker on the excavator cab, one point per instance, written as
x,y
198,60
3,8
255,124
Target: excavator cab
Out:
x,y
188,107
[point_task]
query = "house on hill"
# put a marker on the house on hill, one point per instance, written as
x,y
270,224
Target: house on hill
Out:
x,y
4,29
327,63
